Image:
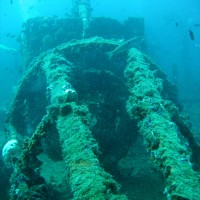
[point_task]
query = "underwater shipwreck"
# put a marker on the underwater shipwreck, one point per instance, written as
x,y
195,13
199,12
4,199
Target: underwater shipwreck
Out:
x,y
85,124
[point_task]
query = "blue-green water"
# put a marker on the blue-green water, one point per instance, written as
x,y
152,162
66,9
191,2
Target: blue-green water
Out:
x,y
172,41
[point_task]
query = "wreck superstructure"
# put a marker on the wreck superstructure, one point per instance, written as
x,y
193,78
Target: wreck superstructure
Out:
x,y
77,106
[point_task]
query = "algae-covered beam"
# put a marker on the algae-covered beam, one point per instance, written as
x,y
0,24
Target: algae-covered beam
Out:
x,y
87,178
168,147
26,183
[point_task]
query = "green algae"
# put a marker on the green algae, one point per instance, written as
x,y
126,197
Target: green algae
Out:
x,y
160,133
87,178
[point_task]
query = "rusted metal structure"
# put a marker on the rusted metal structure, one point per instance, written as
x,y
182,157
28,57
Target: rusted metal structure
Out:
x,y
72,93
